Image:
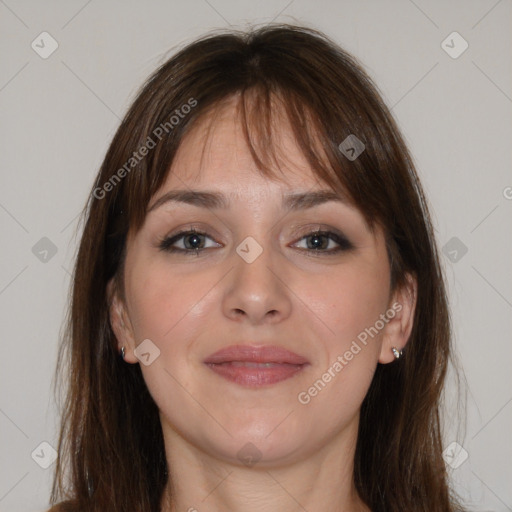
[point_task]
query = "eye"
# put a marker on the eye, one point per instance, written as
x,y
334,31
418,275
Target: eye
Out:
x,y
187,242
325,242
317,243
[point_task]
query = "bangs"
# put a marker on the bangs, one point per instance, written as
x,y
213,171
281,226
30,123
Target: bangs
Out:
x,y
262,115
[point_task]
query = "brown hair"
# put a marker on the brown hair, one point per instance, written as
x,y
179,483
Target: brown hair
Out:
x,y
111,450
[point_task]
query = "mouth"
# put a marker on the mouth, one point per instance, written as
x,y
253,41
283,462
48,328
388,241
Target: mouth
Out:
x,y
252,366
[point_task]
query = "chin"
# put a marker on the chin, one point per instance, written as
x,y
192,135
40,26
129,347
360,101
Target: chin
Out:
x,y
266,441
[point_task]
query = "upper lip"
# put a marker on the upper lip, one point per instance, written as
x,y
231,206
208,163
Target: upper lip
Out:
x,y
255,354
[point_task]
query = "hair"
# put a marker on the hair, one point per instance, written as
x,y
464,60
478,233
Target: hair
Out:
x,y
111,448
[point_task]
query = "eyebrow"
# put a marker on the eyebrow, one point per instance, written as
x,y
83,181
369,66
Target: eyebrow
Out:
x,y
217,200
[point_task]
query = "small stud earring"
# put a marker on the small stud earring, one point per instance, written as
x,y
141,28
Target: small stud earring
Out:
x,y
397,353
123,352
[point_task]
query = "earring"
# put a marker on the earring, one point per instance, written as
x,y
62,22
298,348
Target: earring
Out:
x,y
397,353
123,352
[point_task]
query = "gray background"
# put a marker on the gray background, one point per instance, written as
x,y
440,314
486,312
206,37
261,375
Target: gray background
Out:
x,y
58,116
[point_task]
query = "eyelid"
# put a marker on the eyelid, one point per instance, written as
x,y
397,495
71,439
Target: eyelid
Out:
x,y
309,229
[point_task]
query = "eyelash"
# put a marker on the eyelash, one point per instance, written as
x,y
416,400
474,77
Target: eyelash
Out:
x,y
166,244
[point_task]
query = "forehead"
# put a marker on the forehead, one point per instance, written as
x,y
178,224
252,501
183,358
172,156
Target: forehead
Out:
x,y
215,152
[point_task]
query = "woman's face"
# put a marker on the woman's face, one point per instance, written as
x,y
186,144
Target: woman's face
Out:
x,y
261,280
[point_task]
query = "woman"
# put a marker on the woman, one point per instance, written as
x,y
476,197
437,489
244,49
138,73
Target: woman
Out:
x,y
258,318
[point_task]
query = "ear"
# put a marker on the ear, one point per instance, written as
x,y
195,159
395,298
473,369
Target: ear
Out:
x,y
120,323
401,314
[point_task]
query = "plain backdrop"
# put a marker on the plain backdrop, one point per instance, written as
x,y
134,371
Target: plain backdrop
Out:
x,y
59,113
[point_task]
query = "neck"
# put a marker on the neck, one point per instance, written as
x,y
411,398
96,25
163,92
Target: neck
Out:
x,y
323,481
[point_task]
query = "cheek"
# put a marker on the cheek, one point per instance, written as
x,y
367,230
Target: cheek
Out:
x,y
348,301
169,309
349,304
162,301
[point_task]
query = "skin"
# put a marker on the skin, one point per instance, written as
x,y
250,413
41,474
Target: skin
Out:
x,y
190,306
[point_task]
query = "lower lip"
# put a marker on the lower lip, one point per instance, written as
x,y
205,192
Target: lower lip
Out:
x,y
255,375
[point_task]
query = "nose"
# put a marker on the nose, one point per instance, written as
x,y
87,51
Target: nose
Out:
x,y
257,292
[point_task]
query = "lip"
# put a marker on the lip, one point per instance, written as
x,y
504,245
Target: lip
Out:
x,y
254,366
